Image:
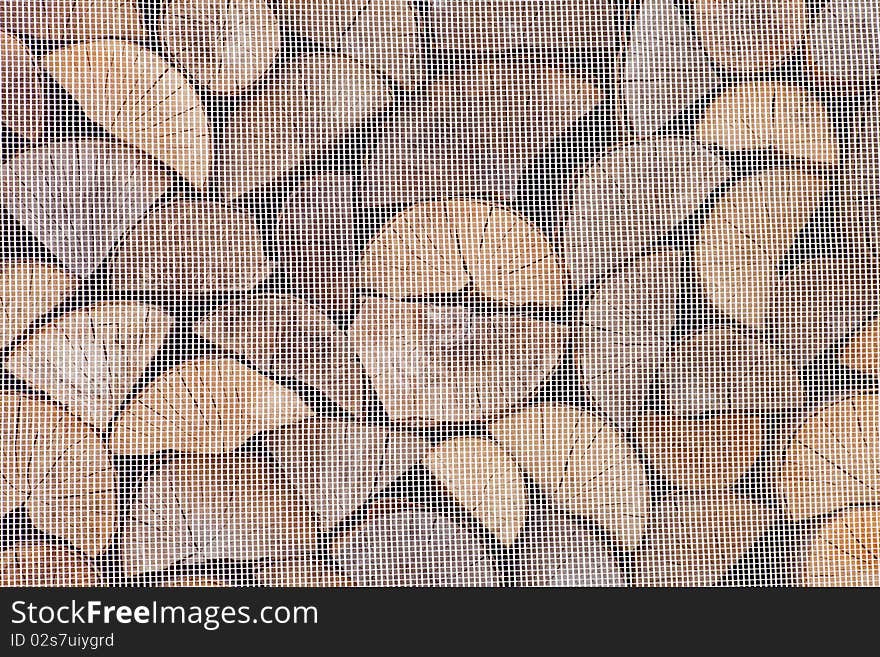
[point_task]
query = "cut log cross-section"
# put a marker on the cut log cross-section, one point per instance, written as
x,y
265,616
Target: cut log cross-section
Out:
x,y
451,362
138,97
833,460
204,406
762,115
21,89
862,353
90,359
846,551
45,565
190,247
214,507
625,332
28,290
79,197
226,46
73,20
287,337
583,464
743,241
843,46
58,469
859,194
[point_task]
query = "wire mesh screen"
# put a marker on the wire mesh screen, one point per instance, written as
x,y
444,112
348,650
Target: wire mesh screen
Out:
x,y
439,293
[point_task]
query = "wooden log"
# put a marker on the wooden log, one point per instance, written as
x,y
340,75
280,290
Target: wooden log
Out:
x,y
862,352
721,370
624,333
205,507
583,464
22,104
860,176
664,72
819,302
73,20
745,238
52,191
277,130
485,480
443,247
631,198
432,363
762,115
28,290
289,338
45,565
695,537
190,247
832,460
386,34
300,570
557,551
843,45
225,46
90,359
705,453
317,241
463,136
338,465
846,551
204,406
139,98
401,544
750,36
57,468
499,25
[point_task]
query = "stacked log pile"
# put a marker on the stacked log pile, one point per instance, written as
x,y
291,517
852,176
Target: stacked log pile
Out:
x,y
429,293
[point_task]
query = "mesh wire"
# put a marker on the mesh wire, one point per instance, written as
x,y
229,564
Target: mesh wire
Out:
x,y
441,292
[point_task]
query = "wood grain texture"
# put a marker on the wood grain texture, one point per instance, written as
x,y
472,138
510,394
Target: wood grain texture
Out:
x,y
73,20
846,551
499,25
843,44
385,34
226,46
624,334
58,469
745,238
819,302
90,359
22,102
280,128
204,406
289,338
557,551
337,465
45,565
485,480
400,544
761,115
138,97
631,198
583,464
214,507
665,70
300,570
857,208
445,246
28,290
722,370
447,364
317,241
79,197
695,537
862,352
190,247
462,135
704,453
750,36
832,461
